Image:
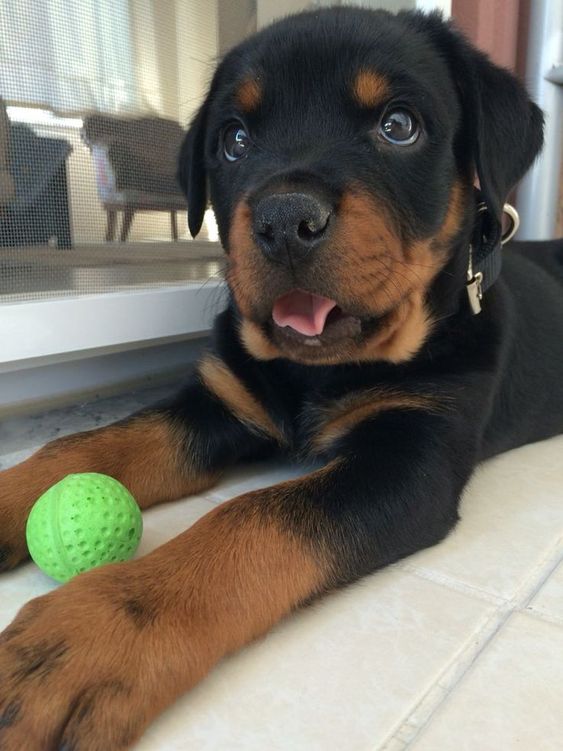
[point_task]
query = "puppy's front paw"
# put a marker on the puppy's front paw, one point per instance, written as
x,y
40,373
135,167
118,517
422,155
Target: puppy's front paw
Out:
x,y
84,667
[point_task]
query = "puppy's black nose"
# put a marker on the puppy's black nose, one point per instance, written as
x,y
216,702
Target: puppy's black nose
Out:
x,y
287,226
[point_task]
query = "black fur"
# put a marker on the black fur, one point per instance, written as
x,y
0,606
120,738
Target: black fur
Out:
x,y
139,613
191,171
499,374
10,714
38,661
502,129
388,476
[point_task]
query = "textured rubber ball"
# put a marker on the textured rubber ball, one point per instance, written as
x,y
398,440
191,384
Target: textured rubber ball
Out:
x,y
81,522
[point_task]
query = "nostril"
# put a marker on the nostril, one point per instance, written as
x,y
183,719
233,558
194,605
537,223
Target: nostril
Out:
x,y
265,230
288,226
311,229
306,231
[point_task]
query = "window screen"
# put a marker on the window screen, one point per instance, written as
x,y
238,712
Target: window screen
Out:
x,y
95,96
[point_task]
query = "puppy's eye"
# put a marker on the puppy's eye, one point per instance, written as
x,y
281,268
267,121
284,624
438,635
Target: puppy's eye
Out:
x,y
399,127
236,142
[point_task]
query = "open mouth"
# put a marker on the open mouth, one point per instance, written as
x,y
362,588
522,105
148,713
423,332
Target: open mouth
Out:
x,y
310,319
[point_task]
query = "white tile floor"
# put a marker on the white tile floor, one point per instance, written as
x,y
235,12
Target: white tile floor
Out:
x,y
457,648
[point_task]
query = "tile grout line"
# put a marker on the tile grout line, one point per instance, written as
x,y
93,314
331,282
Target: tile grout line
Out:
x,y
550,564
447,680
420,716
468,653
449,582
539,615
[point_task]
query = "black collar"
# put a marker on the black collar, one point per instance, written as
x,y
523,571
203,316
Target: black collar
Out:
x,y
485,250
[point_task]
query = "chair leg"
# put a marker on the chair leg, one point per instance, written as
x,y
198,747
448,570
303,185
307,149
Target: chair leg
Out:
x,y
111,217
174,225
128,215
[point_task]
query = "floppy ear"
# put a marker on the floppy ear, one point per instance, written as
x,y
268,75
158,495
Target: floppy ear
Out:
x,y
504,128
507,132
191,170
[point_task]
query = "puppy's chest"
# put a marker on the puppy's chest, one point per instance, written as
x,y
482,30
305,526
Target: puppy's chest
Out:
x,y
317,427
306,425
314,429
314,408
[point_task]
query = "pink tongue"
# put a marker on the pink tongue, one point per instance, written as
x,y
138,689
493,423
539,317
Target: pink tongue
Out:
x,y
303,312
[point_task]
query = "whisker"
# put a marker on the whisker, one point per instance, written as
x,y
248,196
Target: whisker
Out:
x,y
397,273
425,266
381,286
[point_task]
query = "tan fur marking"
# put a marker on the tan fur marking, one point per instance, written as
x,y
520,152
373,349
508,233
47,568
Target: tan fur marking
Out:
x,y
343,415
257,343
249,94
247,270
147,454
366,237
407,328
370,88
454,215
256,571
394,282
216,587
233,393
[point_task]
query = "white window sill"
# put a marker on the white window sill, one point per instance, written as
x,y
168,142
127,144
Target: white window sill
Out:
x,y
34,333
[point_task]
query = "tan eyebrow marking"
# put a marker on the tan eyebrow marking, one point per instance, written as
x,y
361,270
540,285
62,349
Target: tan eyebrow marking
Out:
x,y
249,94
370,88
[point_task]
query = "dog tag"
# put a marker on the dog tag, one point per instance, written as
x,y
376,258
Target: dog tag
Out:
x,y
475,292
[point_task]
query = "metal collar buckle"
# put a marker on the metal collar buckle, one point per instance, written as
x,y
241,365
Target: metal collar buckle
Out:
x,y
514,217
474,286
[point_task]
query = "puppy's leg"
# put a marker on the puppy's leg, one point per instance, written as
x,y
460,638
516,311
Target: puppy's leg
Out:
x,y
161,454
89,666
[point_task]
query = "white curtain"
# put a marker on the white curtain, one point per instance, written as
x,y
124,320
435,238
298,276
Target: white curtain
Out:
x,y
68,55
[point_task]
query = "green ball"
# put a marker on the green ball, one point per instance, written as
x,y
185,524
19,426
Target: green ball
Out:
x,y
83,521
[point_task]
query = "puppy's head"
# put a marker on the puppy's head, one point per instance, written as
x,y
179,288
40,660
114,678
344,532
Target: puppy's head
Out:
x,y
340,148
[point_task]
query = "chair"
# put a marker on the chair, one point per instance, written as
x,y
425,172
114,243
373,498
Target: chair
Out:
x,y
34,207
135,162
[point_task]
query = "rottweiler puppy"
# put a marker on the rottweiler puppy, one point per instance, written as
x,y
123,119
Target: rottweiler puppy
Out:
x,y
369,330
